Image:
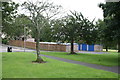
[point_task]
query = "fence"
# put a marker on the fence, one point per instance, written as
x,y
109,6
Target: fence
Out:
x,y
43,46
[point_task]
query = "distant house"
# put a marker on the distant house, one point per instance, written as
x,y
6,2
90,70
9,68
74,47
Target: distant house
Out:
x,y
31,40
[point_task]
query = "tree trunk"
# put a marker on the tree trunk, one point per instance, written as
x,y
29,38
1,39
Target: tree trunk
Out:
x,y
72,47
39,59
106,47
118,46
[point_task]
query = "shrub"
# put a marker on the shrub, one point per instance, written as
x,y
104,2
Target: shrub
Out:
x,y
4,41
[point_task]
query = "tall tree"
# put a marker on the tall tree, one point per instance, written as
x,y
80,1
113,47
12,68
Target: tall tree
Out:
x,y
9,11
46,34
40,13
101,31
20,27
102,38
56,27
111,12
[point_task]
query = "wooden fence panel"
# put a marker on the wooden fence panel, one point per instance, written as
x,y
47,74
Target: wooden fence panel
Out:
x,y
43,46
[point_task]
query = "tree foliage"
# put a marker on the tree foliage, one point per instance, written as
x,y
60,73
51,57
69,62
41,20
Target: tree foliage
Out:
x,y
21,26
40,13
76,27
9,11
111,12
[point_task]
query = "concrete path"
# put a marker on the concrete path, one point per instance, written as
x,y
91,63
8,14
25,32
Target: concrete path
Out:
x,y
111,69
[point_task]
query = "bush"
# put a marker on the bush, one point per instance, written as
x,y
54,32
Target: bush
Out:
x,y
4,41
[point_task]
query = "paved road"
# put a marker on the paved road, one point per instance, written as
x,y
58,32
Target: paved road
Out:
x,y
20,49
3,48
111,69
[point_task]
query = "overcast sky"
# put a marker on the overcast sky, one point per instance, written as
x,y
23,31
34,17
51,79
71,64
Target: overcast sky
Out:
x,y
89,8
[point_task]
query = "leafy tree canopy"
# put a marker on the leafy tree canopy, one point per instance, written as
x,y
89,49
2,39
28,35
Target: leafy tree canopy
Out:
x,y
111,12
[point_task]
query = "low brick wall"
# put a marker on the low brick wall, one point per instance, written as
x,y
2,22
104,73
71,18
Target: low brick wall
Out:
x,y
43,46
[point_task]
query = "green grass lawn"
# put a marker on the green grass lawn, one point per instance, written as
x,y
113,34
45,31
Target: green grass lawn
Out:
x,y
19,65
100,59
0,66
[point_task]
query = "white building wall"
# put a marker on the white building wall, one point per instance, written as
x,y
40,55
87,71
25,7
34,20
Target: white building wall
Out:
x,y
80,46
98,48
87,47
31,40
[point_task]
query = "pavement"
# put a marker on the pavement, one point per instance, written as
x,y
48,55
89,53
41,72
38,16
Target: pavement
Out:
x,y
93,52
114,69
106,68
3,48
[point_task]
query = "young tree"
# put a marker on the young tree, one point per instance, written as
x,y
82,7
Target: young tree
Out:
x,y
45,33
40,13
111,12
76,27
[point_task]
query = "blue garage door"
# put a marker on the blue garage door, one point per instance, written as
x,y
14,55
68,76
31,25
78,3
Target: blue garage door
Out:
x,y
84,47
79,46
90,47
